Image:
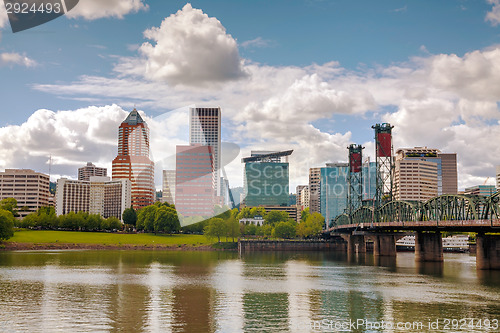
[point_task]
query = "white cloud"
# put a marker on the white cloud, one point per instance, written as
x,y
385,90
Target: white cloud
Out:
x,y
74,137
3,18
493,16
401,10
70,137
188,48
257,42
96,9
309,99
9,59
475,75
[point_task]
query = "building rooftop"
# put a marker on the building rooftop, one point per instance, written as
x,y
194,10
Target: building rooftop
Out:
x,y
336,164
266,157
134,118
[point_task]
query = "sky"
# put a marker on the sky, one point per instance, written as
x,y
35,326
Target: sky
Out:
x,y
307,75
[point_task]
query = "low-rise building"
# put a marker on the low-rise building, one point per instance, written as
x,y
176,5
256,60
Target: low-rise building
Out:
x,y
483,190
31,189
99,195
497,177
291,210
256,220
90,170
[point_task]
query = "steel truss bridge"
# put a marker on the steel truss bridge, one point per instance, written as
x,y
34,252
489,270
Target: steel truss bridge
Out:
x,y
446,212
383,226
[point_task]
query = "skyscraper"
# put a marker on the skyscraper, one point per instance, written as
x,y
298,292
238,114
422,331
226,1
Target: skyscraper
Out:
x,y
314,190
334,188
168,189
204,129
194,180
133,160
266,181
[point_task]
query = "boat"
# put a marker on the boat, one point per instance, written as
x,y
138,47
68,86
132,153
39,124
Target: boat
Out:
x,y
407,243
455,243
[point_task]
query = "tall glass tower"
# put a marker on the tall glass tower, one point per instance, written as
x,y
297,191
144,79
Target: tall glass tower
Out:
x,y
133,161
204,129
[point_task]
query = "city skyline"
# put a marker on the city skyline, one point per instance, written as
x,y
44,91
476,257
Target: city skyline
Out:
x,y
431,71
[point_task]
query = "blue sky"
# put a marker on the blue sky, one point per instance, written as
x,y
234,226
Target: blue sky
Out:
x,y
308,75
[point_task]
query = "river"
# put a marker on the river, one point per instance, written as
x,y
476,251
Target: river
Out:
x,y
176,291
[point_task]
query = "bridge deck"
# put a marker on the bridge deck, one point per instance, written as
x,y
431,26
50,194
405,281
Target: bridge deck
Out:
x,y
445,225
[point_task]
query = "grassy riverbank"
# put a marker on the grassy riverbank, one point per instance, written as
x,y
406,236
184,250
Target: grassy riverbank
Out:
x,y
35,239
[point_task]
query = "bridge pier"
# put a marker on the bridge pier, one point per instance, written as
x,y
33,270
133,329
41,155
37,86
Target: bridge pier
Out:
x,y
384,245
355,244
487,251
428,246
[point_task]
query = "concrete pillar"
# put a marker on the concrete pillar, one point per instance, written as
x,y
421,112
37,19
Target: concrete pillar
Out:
x,y
384,245
487,251
428,246
356,244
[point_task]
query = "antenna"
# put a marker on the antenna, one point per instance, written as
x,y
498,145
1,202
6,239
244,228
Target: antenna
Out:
x,y
50,165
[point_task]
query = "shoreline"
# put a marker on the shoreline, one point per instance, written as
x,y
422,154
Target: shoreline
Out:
x,y
13,246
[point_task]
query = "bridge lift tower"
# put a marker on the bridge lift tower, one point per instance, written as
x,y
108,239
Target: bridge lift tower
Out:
x,y
385,182
355,189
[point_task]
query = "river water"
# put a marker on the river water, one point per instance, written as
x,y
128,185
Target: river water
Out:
x,y
170,291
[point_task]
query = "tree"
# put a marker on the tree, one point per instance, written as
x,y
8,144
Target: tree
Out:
x,y
113,223
129,216
196,228
6,224
166,220
173,223
304,214
9,204
216,228
105,224
81,220
312,226
146,218
284,230
276,216
233,227
94,222
29,221
250,229
70,221
244,213
257,211
160,221
266,230
47,218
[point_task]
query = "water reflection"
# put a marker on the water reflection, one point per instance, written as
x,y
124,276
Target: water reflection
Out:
x,y
116,291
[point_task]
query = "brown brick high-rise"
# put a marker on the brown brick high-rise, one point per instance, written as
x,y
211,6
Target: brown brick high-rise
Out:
x,y
133,160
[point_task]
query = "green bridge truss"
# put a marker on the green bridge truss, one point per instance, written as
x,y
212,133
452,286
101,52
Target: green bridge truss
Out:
x,y
447,207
